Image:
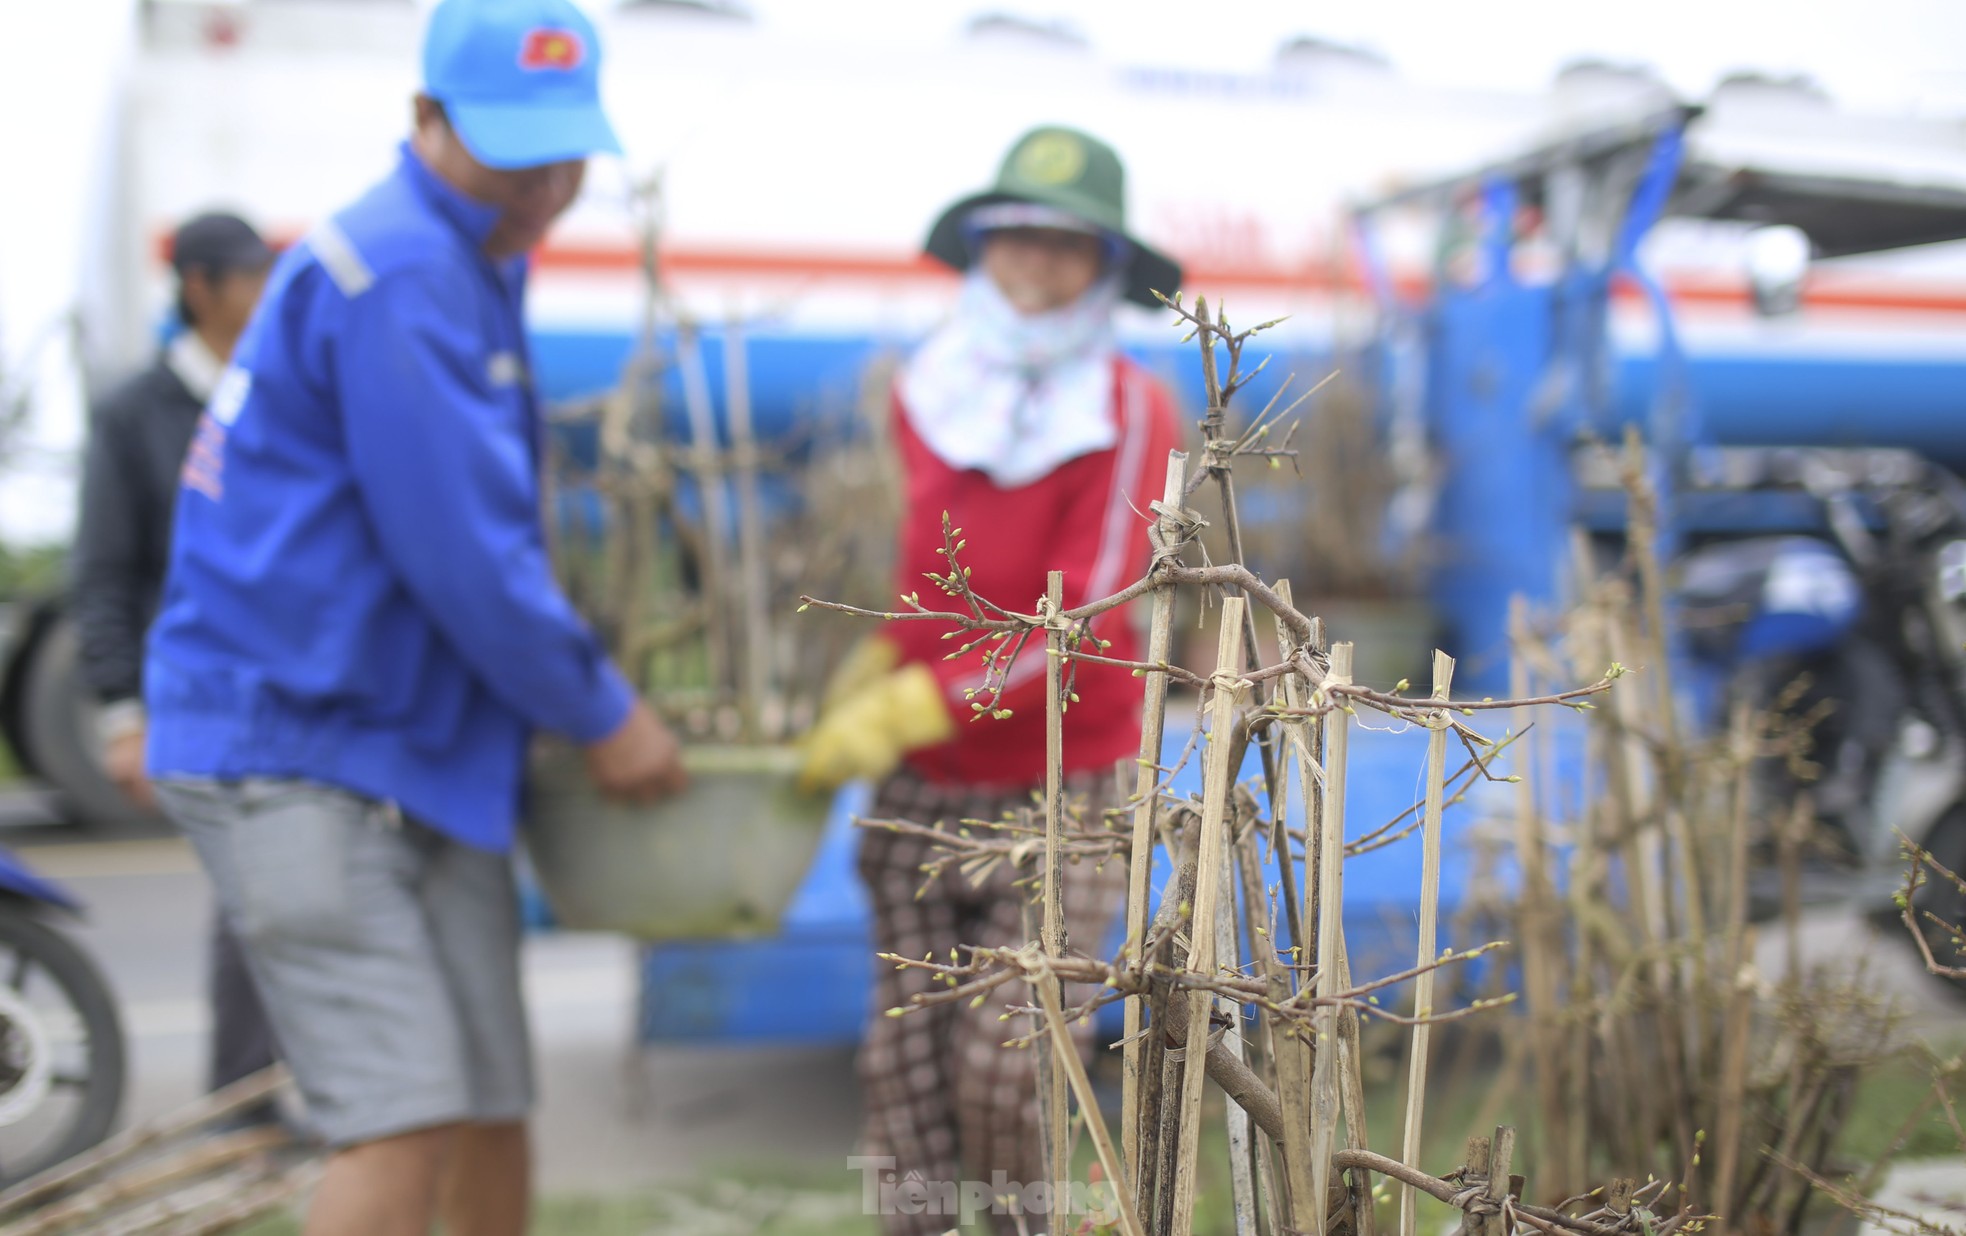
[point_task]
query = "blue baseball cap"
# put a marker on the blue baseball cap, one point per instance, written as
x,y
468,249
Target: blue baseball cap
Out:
x,y
519,79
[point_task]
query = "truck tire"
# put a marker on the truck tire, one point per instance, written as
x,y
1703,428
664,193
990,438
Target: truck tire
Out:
x,y
58,728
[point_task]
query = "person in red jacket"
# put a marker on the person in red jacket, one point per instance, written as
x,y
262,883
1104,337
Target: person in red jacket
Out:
x,y
1022,421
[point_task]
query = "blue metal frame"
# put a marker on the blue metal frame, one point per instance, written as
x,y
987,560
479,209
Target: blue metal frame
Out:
x,y
20,880
1516,372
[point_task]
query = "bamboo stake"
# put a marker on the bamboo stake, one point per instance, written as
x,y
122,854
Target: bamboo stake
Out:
x,y
1672,763
216,1106
1295,1055
1058,1108
251,1203
1539,961
158,1214
706,463
1351,1058
1218,781
1242,1183
1146,805
762,712
1258,1048
197,1160
1501,1158
1423,986
1214,425
1032,923
1066,1053
1335,1056
1646,873
1583,860
1733,1085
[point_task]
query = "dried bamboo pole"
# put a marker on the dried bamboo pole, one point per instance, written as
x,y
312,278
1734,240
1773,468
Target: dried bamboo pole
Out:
x,y
1673,764
216,1106
1242,1183
1030,919
159,1214
1058,1106
1730,1101
1335,1070
1214,425
762,711
1218,778
1541,962
1738,1017
99,1199
1642,850
1293,1052
707,465
1262,1049
1146,805
1501,1159
1576,1150
1066,1054
1423,986
250,1203
1258,1048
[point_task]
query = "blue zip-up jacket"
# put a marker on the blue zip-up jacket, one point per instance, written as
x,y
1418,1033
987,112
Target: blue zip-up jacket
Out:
x,y
359,591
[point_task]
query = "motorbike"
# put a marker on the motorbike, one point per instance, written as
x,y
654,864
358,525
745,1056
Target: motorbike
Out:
x,y
62,1048
62,1053
1854,638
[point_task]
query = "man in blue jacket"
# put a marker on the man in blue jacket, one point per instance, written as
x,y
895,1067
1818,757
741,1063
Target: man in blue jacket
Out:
x,y
361,632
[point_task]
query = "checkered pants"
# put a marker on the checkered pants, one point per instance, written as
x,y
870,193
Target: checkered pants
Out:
x,y
944,1098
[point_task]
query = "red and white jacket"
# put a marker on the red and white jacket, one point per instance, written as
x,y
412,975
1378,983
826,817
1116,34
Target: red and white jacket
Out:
x,y
1087,518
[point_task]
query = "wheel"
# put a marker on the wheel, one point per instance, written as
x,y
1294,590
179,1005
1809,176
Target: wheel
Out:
x,y
61,1047
1941,899
58,725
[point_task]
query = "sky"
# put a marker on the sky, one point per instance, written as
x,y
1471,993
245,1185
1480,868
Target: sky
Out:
x,y
1881,56
1874,55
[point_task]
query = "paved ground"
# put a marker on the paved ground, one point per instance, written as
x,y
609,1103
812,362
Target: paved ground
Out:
x,y
610,1118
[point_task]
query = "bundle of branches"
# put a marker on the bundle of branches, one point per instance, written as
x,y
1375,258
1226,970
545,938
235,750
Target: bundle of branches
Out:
x,y
1324,523
1858,1192
686,555
179,1175
1658,1043
1266,969
1925,925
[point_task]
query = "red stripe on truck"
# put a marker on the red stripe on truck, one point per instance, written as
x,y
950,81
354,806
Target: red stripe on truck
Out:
x,y
813,264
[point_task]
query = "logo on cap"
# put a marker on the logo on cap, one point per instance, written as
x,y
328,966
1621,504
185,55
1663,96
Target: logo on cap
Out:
x,y
1051,159
551,48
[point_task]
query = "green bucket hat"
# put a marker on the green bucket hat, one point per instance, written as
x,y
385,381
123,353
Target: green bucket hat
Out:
x,y
1069,171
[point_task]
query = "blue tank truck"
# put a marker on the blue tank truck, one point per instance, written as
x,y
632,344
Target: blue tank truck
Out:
x,y
1520,359
1532,327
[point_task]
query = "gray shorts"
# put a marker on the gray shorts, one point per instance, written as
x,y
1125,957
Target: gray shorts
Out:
x,y
386,953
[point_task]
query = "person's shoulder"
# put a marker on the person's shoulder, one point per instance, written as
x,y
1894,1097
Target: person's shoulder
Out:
x,y
387,238
127,400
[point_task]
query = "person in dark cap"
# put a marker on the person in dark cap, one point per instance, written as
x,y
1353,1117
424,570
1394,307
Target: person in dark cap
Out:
x,y
138,438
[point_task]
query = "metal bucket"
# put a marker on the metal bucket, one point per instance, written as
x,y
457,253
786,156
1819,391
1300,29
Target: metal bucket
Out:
x,y
722,860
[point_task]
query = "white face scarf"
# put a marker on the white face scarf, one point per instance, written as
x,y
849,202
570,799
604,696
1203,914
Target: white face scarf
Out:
x,y
1015,395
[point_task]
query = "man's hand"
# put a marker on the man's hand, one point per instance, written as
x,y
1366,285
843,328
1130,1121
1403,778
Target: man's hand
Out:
x,y
122,757
640,762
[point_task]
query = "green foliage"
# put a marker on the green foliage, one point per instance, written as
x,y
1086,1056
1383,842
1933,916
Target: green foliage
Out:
x,y
32,571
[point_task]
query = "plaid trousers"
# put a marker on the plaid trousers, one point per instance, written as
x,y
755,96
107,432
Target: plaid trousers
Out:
x,y
943,1096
